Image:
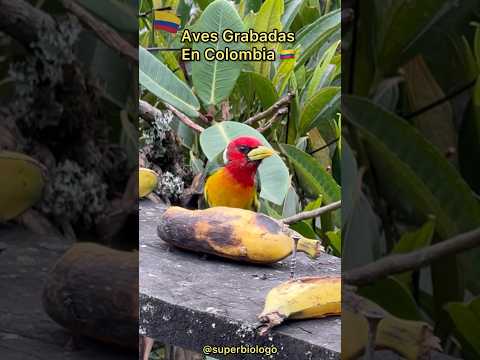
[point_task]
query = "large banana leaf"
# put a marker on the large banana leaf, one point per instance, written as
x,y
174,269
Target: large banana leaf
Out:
x,y
158,79
311,38
214,80
273,174
268,19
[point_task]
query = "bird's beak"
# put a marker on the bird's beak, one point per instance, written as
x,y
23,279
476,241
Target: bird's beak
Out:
x,y
260,153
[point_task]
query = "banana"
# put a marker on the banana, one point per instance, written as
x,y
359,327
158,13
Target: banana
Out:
x,y
21,184
232,233
411,339
302,298
147,181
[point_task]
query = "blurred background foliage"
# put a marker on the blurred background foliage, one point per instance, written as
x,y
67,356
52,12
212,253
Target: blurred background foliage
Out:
x,y
411,150
305,130
68,100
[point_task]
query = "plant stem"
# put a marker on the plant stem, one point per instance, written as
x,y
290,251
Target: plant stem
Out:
x,y
104,32
394,264
284,101
312,214
149,113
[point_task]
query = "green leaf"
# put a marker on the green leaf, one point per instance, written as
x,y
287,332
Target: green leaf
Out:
x,y
267,19
426,177
411,241
420,176
263,88
310,38
158,79
415,19
215,80
320,71
203,3
466,318
322,106
383,291
335,241
272,173
469,141
415,240
304,229
317,181
291,10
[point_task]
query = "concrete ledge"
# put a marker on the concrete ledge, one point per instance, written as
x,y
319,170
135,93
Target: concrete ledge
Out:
x,y
191,300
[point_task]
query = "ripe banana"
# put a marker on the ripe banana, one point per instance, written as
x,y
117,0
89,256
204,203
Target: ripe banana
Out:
x,y
231,233
147,181
21,184
302,298
411,339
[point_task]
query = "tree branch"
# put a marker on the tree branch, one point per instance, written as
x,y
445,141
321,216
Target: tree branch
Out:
x,y
278,115
394,264
184,118
312,214
22,21
149,113
271,110
104,32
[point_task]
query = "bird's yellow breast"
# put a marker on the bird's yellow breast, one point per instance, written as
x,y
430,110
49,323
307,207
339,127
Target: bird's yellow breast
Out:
x,y
221,189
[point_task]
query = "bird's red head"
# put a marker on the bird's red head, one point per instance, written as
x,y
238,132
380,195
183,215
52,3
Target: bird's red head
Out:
x,y
243,156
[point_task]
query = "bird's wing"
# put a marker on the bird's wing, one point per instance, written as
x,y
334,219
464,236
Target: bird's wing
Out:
x,y
209,172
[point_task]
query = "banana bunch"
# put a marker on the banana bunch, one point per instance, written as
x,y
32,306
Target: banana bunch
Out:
x,y
147,181
411,339
232,233
301,298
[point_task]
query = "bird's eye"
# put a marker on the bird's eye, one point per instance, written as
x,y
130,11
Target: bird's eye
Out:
x,y
243,149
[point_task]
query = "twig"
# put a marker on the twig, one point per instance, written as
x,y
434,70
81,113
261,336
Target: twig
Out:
x,y
184,118
324,146
157,48
146,13
271,110
104,32
442,100
394,264
312,214
275,117
150,113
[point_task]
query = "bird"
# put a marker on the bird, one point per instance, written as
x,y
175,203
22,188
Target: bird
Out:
x,y
233,185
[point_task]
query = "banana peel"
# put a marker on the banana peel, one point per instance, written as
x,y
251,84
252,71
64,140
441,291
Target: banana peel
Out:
x,y
147,181
411,339
237,234
21,184
301,298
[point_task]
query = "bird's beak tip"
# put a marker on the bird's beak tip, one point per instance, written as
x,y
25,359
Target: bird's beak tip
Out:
x,y
260,153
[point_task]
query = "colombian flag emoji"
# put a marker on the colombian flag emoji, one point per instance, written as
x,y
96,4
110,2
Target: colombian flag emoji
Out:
x,y
167,21
287,54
